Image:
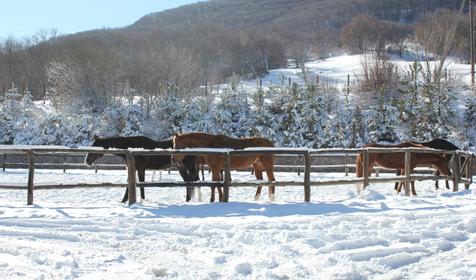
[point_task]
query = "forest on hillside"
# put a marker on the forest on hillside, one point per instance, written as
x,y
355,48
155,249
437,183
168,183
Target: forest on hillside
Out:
x,y
211,41
146,78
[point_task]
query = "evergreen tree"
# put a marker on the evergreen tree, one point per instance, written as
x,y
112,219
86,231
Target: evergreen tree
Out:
x,y
231,115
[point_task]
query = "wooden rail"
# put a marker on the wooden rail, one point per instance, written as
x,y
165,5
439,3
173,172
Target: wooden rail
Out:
x,y
461,165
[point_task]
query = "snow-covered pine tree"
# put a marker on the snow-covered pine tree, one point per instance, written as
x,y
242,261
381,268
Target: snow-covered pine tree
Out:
x,y
381,120
169,115
197,118
231,114
437,117
469,121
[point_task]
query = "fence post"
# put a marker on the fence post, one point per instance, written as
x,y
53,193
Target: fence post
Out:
x,y
227,178
4,161
472,157
299,170
456,171
408,158
307,176
131,178
467,171
31,175
346,162
64,163
366,168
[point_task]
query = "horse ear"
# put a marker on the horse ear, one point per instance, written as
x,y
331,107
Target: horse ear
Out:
x,y
176,134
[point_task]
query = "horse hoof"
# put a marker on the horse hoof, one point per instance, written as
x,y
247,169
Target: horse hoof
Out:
x,y
272,197
256,197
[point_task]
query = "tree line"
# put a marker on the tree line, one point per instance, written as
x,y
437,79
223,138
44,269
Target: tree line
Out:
x,y
93,69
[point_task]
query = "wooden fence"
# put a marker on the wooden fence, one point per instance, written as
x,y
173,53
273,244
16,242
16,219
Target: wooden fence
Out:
x,y
462,165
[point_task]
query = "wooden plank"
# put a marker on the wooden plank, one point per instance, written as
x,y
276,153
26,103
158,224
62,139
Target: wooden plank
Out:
x,y
467,167
175,184
79,186
131,178
64,162
227,178
346,164
307,177
366,169
408,158
456,171
31,177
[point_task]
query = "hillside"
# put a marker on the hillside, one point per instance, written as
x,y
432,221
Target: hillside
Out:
x,y
204,42
287,15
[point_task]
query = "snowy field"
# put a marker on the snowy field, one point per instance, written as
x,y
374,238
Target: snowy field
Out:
x,y
89,234
334,70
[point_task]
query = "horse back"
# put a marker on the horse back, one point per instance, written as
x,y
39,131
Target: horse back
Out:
x,y
399,145
440,144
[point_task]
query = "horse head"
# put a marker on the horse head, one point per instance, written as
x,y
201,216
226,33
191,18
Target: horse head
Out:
x,y
92,157
187,165
177,144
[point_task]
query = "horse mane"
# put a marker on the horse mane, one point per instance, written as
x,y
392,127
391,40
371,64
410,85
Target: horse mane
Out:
x,y
440,144
399,145
223,141
125,142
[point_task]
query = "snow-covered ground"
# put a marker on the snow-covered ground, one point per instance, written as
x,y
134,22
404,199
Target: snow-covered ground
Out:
x,y
334,70
89,234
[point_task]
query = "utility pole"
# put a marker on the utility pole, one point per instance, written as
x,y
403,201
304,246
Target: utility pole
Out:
x,y
471,40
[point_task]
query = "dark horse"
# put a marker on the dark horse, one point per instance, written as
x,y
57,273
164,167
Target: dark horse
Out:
x,y
143,162
259,162
439,144
397,160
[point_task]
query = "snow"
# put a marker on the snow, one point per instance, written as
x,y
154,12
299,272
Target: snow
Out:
x,y
89,234
335,70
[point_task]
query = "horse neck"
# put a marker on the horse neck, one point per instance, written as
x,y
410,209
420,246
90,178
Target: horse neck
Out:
x,y
240,143
163,144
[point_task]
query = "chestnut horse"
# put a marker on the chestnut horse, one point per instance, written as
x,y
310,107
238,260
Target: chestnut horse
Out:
x,y
436,143
259,163
397,160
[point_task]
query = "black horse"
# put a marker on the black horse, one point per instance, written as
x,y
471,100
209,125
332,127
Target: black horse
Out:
x,y
439,144
153,162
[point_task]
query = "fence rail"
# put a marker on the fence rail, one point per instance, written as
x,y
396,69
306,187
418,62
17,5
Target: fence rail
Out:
x,y
462,165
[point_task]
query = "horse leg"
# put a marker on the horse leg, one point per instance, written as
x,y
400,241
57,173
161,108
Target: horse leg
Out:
x,y
399,187
199,189
199,193
259,176
359,172
397,184
141,174
437,185
442,167
126,196
268,165
219,189
215,177
413,188
189,194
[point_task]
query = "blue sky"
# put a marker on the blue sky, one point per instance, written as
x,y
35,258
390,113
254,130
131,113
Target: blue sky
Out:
x,y
21,18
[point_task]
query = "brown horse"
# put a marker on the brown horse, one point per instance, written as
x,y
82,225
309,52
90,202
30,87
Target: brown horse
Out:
x,y
259,163
397,160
